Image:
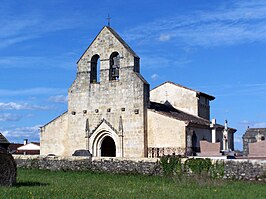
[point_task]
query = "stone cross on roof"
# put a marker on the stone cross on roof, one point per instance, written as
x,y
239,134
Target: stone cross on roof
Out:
x,y
108,20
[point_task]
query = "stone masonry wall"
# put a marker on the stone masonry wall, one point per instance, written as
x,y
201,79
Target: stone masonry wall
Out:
x,y
146,166
122,103
233,169
245,169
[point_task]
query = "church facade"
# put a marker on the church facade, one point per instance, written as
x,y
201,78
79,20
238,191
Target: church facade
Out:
x,y
112,112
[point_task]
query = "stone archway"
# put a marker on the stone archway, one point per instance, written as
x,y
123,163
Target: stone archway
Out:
x,y
108,148
105,138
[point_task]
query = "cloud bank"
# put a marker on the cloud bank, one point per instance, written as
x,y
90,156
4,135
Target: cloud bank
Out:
x,y
239,22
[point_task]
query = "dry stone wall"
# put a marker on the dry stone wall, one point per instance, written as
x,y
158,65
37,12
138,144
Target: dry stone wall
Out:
x,y
146,166
245,170
254,170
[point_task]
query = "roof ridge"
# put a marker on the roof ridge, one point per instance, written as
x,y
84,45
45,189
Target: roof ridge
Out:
x,y
179,85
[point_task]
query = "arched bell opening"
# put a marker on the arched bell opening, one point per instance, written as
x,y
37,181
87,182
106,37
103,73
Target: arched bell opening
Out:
x,y
114,66
95,69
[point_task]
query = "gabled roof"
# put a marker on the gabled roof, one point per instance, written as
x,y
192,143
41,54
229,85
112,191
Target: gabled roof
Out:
x,y
198,92
30,146
174,113
170,111
117,37
3,140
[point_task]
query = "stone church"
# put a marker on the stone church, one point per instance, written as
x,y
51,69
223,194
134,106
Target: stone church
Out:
x,y
112,111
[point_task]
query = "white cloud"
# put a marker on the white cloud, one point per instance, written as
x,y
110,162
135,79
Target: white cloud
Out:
x,y
259,125
253,124
7,117
240,22
236,89
154,62
17,106
164,37
154,77
18,134
59,98
25,26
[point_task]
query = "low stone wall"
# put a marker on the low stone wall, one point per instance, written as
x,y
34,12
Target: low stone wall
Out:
x,y
233,169
245,169
146,166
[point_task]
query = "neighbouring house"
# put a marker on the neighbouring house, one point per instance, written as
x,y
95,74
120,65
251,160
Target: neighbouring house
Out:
x,y
112,111
252,135
32,148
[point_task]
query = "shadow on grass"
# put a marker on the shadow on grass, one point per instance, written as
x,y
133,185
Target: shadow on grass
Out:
x,y
30,184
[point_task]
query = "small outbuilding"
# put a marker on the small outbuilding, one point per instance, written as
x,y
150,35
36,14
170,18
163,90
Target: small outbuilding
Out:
x,y
252,135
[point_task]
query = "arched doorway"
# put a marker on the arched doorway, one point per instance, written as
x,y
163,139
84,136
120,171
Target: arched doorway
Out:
x,y
108,148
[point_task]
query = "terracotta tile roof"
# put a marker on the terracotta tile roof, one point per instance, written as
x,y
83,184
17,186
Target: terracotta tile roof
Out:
x,y
177,114
36,143
14,146
172,112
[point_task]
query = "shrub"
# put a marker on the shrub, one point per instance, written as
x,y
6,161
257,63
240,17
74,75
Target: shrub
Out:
x,y
171,165
199,165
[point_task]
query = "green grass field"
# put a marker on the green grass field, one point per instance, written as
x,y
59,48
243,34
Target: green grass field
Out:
x,y
70,184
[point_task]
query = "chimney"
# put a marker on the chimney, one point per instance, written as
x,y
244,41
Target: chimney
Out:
x,y
25,141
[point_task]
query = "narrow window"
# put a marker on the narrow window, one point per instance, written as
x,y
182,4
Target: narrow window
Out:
x,y
95,69
114,66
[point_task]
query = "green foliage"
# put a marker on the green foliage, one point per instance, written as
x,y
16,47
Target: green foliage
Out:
x,y
171,165
198,165
217,170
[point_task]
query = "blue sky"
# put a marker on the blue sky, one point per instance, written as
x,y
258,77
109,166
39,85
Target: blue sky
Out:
x,y
217,47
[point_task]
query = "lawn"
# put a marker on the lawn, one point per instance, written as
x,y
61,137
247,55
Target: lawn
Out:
x,y
74,184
